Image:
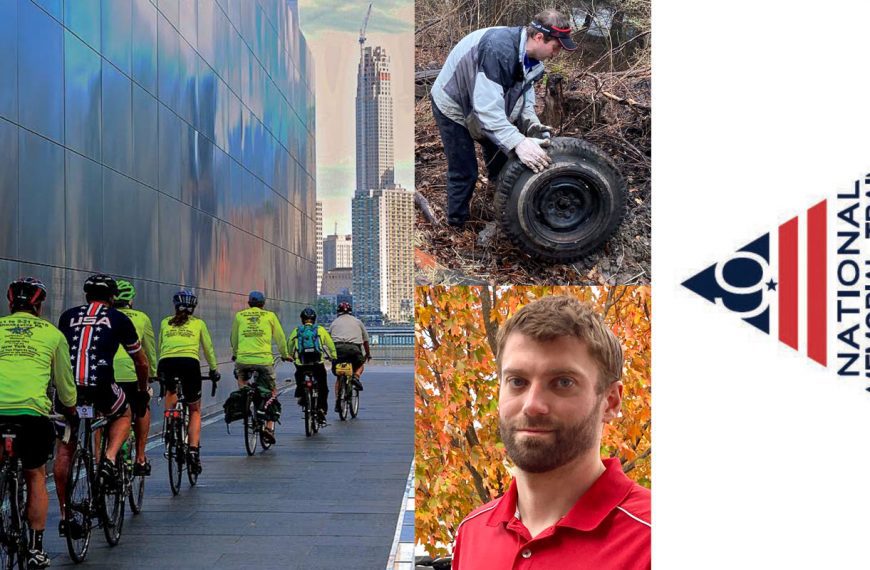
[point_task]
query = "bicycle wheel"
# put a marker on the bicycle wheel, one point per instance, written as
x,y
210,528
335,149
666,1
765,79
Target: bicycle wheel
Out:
x,y
10,520
113,505
263,444
310,421
354,400
79,505
315,414
137,482
174,457
251,426
343,407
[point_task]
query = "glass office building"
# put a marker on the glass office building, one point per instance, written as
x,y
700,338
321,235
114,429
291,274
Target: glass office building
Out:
x,y
169,142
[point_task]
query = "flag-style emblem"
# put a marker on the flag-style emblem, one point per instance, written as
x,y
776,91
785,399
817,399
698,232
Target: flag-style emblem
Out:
x,y
778,283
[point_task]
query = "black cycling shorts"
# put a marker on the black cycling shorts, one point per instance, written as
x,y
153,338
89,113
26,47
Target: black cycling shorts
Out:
x,y
34,441
107,398
349,352
183,368
138,401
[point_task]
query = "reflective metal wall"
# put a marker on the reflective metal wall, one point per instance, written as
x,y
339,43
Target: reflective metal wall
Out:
x,y
169,142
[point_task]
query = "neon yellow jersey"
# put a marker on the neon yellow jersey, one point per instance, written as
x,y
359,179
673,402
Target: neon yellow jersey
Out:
x,y
185,340
33,353
328,347
254,330
125,371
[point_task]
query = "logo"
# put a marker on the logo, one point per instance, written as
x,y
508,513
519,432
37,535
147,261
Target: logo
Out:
x,y
85,321
806,282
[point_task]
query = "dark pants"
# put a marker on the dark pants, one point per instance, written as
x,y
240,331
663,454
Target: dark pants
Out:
x,y
319,372
462,165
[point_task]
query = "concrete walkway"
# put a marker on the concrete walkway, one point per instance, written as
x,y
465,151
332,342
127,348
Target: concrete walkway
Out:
x,y
331,501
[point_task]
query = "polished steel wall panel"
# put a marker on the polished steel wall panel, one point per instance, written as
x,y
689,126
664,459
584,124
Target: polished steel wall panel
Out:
x,y
205,30
169,248
53,7
204,198
189,165
40,200
168,71
187,21
8,189
82,97
187,72
117,137
40,71
84,211
143,47
145,136
82,17
169,8
169,152
130,226
9,59
116,29
207,95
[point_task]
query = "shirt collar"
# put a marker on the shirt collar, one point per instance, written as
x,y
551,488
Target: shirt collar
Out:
x,y
605,494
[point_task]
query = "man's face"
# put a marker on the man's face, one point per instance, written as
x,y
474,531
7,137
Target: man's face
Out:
x,y
550,412
543,50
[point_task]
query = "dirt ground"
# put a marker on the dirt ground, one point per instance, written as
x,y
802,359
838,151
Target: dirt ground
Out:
x,y
609,109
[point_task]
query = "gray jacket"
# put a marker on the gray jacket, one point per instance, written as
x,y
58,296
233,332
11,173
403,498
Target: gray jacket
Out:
x,y
485,87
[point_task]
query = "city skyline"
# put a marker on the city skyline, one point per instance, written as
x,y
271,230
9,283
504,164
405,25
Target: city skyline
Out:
x,y
332,31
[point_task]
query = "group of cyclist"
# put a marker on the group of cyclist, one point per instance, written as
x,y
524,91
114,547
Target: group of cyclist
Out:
x,y
103,353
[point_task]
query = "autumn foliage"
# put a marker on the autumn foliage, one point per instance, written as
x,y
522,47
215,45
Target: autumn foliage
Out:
x,y
460,462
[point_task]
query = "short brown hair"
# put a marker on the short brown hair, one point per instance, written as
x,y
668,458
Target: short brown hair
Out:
x,y
555,316
549,17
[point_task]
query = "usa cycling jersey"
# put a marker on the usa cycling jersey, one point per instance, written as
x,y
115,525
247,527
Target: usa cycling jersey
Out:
x,y
94,333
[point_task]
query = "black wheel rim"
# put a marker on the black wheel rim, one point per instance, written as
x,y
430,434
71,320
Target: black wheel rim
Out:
x,y
78,507
564,207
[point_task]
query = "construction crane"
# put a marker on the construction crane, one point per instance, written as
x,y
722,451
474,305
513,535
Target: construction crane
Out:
x,y
362,31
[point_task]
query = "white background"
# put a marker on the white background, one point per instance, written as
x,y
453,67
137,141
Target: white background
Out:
x,y
761,458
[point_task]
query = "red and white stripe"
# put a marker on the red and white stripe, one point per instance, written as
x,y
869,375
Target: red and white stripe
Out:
x,y
83,358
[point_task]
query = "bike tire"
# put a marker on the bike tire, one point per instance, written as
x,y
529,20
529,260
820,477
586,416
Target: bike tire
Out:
x,y
113,506
192,476
79,506
9,529
263,444
137,482
310,420
315,406
354,401
173,451
343,404
251,428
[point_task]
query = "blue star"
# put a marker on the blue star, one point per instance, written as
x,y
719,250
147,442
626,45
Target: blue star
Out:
x,y
771,285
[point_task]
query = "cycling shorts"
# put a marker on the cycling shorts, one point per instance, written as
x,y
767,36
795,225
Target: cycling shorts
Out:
x,y
185,369
34,441
265,374
138,401
348,352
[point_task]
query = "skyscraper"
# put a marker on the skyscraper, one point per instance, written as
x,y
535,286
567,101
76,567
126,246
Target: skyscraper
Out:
x,y
337,251
383,212
318,239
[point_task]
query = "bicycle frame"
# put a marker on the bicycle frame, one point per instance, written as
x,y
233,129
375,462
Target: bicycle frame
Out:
x,y
13,540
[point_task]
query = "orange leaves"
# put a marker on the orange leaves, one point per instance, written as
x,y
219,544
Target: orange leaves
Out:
x,y
460,460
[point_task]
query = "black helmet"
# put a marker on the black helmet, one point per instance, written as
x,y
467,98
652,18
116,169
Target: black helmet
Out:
x,y
26,292
185,299
308,314
344,308
100,286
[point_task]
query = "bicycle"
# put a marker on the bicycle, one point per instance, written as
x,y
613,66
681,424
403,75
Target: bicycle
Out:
x,y
176,449
255,417
13,508
311,410
87,496
136,491
348,392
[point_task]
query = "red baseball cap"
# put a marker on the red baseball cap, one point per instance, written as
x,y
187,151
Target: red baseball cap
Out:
x,y
561,34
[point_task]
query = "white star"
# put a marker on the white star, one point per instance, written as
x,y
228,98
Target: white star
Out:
x,y
93,377
93,367
99,329
76,337
96,338
72,357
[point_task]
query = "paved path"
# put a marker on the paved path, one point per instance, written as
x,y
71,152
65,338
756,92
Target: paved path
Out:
x,y
327,502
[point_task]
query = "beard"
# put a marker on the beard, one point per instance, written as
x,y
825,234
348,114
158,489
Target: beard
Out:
x,y
535,455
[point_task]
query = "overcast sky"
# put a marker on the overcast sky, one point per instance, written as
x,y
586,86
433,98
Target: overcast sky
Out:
x,y
331,28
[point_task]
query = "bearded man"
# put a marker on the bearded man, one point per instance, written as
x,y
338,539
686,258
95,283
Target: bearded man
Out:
x,y
559,370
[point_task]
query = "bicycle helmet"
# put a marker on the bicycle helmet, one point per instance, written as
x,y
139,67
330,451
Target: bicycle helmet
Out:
x,y
185,299
126,291
256,298
308,314
26,292
100,286
344,308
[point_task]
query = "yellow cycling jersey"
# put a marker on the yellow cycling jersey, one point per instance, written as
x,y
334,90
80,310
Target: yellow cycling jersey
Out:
x,y
125,370
33,353
254,330
327,346
185,340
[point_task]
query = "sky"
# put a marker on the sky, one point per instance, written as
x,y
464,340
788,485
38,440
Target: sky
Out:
x,y
331,28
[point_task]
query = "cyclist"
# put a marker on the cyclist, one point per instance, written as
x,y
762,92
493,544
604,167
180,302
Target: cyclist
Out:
x,y
254,330
125,373
350,337
33,353
181,336
308,344
94,332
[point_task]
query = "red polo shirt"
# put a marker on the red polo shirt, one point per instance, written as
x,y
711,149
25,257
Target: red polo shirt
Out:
x,y
607,529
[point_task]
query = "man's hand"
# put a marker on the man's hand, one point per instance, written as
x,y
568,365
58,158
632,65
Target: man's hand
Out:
x,y
214,375
368,357
539,131
532,155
